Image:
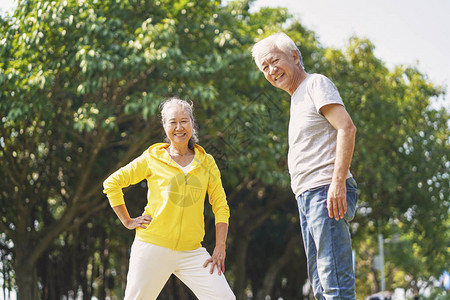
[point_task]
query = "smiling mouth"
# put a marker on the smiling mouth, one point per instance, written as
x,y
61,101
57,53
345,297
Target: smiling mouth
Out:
x,y
279,76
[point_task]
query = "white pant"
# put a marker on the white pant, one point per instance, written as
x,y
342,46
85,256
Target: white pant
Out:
x,y
151,267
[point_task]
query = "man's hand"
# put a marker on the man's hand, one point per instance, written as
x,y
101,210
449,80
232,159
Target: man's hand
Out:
x,y
337,200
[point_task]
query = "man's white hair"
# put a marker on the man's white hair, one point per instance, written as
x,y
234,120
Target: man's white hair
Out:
x,y
279,40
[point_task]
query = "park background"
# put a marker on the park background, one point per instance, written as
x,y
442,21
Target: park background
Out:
x,y
81,84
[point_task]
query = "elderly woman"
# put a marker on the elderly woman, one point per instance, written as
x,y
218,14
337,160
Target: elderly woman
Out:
x,y
170,230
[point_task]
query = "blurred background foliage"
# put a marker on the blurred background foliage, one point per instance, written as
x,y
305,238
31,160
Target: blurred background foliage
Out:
x,y
81,82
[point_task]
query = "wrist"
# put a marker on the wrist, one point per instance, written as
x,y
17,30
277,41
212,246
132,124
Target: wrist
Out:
x,y
339,178
126,222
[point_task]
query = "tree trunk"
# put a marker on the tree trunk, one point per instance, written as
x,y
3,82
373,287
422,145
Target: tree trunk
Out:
x,y
240,271
25,269
26,280
272,273
104,253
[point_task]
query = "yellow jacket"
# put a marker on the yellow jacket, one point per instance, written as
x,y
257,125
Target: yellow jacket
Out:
x,y
174,200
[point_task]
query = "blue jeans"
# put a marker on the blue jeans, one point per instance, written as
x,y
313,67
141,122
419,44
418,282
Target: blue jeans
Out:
x,y
328,244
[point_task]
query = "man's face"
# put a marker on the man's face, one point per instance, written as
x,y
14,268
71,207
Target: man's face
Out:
x,y
281,70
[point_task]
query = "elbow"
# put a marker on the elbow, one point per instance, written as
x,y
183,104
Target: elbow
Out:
x,y
353,129
350,127
348,130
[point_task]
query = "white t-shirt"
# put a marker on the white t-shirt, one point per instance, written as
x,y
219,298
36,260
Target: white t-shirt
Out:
x,y
187,168
312,139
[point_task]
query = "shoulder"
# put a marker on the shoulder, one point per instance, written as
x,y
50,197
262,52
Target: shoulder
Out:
x,y
156,149
203,156
210,158
319,80
322,86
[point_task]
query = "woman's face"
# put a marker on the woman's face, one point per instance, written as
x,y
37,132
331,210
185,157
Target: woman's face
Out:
x,y
178,125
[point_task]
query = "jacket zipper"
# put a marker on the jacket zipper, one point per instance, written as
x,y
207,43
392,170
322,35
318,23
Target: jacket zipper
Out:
x,y
182,210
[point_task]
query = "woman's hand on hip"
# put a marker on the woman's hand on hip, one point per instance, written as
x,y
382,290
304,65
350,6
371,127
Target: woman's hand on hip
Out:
x,y
139,222
217,260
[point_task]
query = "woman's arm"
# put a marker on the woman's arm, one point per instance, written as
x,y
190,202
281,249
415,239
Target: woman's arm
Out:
x,y
131,223
221,210
132,173
218,257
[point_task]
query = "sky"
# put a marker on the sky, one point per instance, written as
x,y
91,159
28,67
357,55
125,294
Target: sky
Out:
x,y
404,32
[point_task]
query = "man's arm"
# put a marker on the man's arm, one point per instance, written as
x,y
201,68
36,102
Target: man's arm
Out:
x,y
339,118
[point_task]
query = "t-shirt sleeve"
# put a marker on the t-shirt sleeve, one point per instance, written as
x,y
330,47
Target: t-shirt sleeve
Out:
x,y
324,92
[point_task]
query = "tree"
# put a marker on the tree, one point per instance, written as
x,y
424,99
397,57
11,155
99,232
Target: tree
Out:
x,y
81,84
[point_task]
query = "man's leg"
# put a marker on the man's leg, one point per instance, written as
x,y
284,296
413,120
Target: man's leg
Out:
x,y
334,259
310,249
333,243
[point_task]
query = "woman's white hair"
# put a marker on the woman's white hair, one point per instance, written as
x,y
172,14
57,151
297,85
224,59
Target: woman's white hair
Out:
x,y
279,40
188,106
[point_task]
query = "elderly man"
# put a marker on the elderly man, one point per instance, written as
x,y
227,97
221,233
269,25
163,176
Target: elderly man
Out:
x,y
321,143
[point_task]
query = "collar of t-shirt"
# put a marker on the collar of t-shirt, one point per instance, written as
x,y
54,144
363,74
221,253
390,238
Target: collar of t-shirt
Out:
x,y
187,168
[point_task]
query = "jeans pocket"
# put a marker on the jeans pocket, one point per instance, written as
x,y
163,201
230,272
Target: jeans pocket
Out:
x,y
351,183
317,188
352,198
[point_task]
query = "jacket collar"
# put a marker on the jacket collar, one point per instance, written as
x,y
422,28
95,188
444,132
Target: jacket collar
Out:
x,y
158,151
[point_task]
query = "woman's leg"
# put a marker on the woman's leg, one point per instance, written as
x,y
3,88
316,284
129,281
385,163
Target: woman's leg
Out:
x,y
150,268
205,286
